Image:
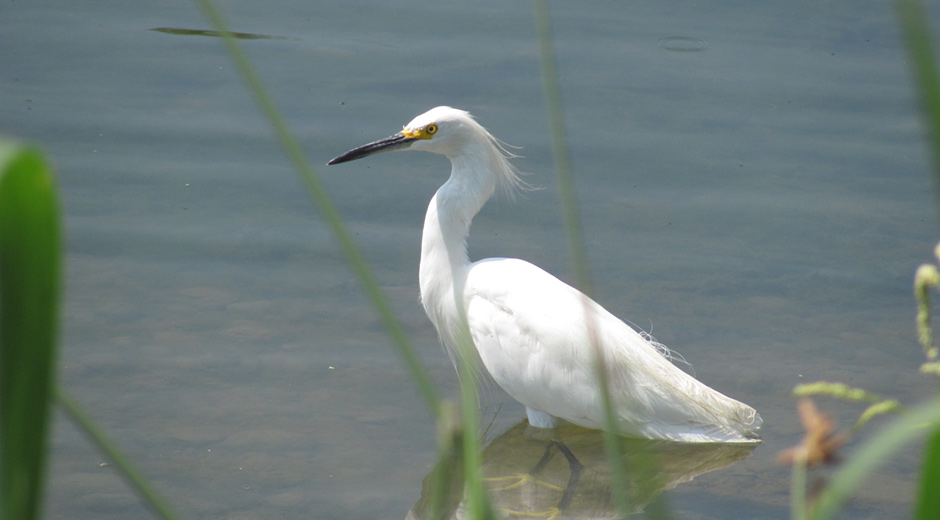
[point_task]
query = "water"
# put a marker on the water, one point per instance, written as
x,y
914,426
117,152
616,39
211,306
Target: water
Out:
x,y
761,203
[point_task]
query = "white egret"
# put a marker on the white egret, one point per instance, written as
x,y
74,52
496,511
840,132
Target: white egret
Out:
x,y
528,327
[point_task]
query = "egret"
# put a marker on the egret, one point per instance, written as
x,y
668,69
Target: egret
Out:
x,y
536,336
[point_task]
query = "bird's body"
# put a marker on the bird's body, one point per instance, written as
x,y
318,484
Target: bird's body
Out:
x,y
534,334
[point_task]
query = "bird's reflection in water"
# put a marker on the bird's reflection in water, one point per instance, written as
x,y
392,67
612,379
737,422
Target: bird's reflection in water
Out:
x,y
560,474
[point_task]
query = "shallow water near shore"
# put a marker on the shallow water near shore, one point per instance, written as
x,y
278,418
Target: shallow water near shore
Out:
x,y
759,201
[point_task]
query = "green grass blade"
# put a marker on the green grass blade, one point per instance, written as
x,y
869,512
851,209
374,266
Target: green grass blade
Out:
x,y
576,244
798,491
928,499
478,502
325,205
921,55
479,506
125,469
444,486
904,429
571,213
913,18
29,306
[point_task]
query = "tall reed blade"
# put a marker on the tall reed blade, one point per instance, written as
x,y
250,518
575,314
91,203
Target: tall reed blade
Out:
x,y
122,464
928,499
923,63
913,18
29,307
324,204
576,241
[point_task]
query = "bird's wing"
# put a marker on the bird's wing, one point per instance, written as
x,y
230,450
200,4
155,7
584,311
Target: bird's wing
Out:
x,y
533,338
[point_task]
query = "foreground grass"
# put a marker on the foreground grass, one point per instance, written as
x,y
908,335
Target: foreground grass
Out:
x,y
30,253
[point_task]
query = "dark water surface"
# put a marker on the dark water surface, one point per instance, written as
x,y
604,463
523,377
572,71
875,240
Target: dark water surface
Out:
x,y
754,189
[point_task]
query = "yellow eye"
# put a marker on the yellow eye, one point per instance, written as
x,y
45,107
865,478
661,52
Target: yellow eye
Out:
x,y
425,132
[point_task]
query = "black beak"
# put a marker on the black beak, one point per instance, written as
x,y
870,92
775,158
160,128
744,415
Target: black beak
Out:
x,y
395,142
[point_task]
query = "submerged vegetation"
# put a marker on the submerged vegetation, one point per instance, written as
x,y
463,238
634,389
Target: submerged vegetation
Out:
x,y
30,259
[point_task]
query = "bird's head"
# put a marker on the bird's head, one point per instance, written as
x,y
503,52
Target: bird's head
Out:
x,y
441,130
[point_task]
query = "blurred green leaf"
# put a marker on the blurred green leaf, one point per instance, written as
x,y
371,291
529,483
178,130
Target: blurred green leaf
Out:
x,y
923,62
576,245
914,26
29,304
928,499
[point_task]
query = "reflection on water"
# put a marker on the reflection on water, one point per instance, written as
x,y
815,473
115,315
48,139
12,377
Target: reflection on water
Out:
x,y
558,474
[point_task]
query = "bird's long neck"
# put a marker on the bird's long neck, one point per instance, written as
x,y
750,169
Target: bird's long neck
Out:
x,y
444,259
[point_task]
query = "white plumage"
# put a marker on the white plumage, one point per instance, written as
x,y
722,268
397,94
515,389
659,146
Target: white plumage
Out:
x,y
529,328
